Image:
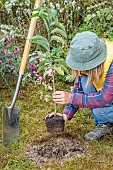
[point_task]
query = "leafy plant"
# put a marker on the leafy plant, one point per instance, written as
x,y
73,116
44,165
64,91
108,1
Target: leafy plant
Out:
x,y
50,63
9,60
101,14
15,17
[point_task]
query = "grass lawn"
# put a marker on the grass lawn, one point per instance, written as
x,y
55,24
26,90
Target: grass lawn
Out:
x,y
33,129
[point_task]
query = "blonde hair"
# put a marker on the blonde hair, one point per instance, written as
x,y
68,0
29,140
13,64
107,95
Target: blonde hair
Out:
x,y
93,74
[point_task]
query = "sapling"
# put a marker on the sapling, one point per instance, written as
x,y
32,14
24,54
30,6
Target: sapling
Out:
x,y
56,37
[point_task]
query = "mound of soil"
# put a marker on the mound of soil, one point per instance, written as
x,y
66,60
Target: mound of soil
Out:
x,y
60,149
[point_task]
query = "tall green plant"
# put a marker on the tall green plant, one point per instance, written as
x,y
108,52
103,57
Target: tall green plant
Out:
x,y
56,36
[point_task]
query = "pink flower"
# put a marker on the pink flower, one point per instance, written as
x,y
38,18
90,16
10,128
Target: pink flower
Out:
x,y
31,84
44,83
63,47
50,74
18,54
49,87
12,68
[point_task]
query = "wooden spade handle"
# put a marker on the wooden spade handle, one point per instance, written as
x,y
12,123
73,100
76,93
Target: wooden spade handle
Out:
x,y
28,44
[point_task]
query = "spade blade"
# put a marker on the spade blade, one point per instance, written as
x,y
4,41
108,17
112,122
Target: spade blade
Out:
x,y
10,125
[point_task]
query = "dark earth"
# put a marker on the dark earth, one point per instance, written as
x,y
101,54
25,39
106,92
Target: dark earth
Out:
x,y
55,124
60,149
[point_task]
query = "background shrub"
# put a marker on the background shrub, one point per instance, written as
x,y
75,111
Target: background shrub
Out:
x,y
76,15
94,15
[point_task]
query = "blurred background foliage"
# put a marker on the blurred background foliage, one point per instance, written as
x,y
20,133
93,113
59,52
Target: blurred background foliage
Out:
x,y
77,16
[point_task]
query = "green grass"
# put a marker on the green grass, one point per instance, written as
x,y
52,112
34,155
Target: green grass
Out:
x,y
33,129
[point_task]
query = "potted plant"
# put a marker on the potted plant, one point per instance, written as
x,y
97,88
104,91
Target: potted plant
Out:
x,y
49,61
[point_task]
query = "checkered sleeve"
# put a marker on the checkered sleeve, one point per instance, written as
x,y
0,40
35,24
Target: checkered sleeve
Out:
x,y
71,109
99,99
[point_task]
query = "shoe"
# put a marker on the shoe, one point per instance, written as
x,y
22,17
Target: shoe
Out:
x,y
99,131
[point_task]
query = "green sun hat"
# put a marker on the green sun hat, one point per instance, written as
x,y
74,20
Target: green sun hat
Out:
x,y
87,51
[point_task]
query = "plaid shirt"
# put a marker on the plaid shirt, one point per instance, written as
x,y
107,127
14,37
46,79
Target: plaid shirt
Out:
x,y
99,99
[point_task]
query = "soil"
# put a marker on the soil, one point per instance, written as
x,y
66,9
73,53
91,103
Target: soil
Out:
x,y
55,124
60,149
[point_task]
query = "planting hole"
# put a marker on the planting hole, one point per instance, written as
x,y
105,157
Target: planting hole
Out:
x,y
60,149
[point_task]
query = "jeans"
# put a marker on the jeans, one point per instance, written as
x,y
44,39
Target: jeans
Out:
x,y
101,115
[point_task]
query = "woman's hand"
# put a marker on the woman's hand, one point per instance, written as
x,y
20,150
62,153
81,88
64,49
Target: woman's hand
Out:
x,y
61,97
65,117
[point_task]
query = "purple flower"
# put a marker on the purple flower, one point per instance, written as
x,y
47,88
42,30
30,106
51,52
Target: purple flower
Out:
x,y
10,61
3,51
11,39
12,68
18,54
37,77
17,51
14,74
19,93
38,60
6,41
0,61
32,68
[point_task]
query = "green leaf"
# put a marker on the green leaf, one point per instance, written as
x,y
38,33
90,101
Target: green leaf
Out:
x,y
43,13
59,60
41,68
59,70
41,43
58,39
46,22
38,9
58,24
40,40
39,37
40,56
59,31
34,15
53,13
88,18
46,61
63,67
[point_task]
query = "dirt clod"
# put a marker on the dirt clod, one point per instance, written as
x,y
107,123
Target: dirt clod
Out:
x,y
55,124
60,149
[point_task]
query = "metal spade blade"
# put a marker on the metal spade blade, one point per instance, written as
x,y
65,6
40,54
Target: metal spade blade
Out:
x,y
10,125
